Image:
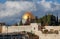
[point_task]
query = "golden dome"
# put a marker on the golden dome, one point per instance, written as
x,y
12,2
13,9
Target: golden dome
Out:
x,y
28,14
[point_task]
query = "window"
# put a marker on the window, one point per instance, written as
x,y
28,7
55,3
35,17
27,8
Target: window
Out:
x,y
34,28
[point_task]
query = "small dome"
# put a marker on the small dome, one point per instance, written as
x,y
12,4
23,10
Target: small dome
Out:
x,y
28,14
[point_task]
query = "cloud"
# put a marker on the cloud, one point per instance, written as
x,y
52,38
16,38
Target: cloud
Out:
x,y
19,0
13,0
11,11
52,6
44,7
12,8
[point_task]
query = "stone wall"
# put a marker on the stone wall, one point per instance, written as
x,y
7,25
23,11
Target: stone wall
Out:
x,y
34,29
11,29
49,36
29,28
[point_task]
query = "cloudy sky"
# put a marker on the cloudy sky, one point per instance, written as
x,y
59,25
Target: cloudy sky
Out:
x,y
12,10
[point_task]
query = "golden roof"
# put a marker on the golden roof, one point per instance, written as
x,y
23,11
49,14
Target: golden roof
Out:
x,y
28,14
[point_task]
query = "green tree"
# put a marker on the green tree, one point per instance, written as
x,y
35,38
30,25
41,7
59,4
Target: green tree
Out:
x,y
36,19
21,22
48,20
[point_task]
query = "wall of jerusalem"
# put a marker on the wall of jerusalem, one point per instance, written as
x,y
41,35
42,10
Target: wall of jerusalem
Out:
x,y
33,28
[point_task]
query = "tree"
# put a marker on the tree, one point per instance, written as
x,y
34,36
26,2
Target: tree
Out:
x,y
36,19
48,20
21,22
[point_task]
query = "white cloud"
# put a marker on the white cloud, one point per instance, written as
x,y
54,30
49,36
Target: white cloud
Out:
x,y
52,6
12,9
19,0
43,1
13,0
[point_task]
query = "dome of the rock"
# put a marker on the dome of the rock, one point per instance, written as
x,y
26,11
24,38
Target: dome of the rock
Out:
x,y
28,14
